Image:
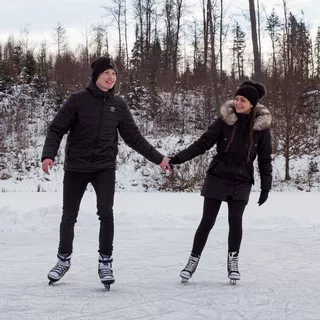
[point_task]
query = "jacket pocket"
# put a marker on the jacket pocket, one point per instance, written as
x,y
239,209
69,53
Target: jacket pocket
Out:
x,y
213,165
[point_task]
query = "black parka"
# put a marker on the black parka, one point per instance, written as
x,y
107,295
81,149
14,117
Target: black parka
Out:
x,y
92,118
229,173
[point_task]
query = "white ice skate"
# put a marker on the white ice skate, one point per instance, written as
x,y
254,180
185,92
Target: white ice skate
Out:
x,y
105,270
233,270
190,268
60,269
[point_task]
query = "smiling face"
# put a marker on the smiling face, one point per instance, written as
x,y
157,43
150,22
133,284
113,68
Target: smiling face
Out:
x,y
106,80
242,105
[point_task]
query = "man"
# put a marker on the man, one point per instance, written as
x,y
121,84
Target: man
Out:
x,y
92,118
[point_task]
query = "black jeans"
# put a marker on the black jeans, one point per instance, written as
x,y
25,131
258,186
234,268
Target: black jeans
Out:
x,y
211,209
74,186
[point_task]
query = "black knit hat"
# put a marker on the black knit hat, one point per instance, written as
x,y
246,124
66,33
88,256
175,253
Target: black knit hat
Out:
x,y
253,91
100,65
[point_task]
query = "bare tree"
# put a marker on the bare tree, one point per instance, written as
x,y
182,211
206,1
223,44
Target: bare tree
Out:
x,y
317,54
86,46
221,37
116,10
256,52
213,28
205,32
60,38
24,34
126,32
274,29
179,12
100,39
239,45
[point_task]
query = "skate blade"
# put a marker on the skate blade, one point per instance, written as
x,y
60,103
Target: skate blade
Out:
x,y
52,281
233,281
107,284
184,280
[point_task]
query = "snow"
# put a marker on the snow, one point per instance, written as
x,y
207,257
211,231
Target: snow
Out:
x,y
279,260
144,175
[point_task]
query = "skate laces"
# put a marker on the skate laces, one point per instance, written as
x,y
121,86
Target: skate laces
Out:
x,y
192,264
105,269
61,266
233,261
105,266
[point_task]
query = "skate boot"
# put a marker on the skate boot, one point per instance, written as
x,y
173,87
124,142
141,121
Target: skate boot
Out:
x,y
105,270
190,268
233,270
60,269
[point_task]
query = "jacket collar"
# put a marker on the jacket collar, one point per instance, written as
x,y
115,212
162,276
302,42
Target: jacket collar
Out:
x,y
262,121
96,92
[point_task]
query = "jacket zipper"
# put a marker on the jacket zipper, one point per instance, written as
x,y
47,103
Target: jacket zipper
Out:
x,y
98,131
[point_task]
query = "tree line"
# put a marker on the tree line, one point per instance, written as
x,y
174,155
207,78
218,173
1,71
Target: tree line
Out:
x,y
176,74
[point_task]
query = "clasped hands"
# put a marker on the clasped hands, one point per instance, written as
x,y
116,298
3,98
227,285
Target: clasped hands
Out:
x,y
165,165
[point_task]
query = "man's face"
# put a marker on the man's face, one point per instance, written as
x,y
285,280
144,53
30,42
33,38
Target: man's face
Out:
x,y
107,80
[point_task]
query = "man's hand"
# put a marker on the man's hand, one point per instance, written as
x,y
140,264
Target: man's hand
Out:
x,y
46,164
263,197
165,164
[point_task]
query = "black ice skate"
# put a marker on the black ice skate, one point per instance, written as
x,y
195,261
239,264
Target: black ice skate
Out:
x,y
105,270
233,270
60,269
190,268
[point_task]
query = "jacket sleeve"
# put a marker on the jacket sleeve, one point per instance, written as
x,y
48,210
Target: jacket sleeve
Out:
x,y
132,136
207,140
264,160
59,126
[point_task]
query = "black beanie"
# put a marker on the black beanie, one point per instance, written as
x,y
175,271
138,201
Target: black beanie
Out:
x,y
100,65
253,91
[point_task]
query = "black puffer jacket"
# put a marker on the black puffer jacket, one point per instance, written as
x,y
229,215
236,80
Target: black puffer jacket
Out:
x,y
231,168
93,118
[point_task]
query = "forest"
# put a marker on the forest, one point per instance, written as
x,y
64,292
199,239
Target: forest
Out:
x,y
174,77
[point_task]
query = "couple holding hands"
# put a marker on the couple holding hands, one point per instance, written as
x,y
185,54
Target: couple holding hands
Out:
x,y
95,116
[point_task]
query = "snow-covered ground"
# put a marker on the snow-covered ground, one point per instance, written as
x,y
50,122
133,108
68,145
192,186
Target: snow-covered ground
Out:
x,y
279,260
144,175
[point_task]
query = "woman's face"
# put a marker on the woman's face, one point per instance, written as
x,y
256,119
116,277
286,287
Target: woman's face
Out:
x,y
107,80
242,105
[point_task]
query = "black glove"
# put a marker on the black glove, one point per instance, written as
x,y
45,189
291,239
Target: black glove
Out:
x,y
263,197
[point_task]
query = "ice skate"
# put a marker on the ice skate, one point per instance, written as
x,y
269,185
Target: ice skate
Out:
x,y
233,270
60,269
105,270
190,268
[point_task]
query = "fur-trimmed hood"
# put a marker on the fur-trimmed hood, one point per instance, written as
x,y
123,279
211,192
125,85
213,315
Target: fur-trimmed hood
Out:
x,y
262,121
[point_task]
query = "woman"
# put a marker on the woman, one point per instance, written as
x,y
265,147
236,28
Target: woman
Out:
x,y
241,132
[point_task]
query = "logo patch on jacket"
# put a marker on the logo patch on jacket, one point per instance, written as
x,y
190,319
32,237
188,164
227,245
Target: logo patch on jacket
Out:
x,y
112,109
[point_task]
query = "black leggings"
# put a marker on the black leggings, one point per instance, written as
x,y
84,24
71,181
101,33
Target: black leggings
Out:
x,y
210,212
74,186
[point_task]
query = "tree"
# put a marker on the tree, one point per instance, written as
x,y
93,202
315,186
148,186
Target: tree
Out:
x,y
100,39
117,10
60,38
274,30
256,50
317,54
29,67
239,44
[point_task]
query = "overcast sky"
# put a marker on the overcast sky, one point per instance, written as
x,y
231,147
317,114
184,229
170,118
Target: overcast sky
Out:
x,y
40,16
